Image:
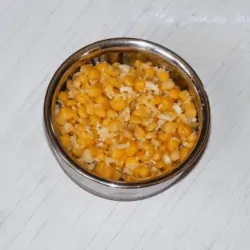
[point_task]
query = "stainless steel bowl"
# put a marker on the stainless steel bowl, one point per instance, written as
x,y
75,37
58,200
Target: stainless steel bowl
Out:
x,y
126,50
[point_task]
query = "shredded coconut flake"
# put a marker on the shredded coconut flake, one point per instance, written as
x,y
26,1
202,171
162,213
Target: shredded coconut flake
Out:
x,y
103,133
109,94
145,65
185,119
91,166
124,68
126,89
68,127
125,114
175,138
177,109
166,159
147,122
87,156
127,171
179,102
148,136
166,117
154,169
57,109
88,130
155,79
71,94
129,168
187,145
109,161
153,87
159,124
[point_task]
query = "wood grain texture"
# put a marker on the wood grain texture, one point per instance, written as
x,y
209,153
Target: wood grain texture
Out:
x,y
40,208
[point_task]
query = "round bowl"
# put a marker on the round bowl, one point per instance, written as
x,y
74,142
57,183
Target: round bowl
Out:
x,y
126,51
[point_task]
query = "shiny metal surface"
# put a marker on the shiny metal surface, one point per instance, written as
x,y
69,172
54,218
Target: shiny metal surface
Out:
x,y
127,50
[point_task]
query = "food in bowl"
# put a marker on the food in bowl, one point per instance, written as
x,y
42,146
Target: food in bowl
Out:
x,y
126,123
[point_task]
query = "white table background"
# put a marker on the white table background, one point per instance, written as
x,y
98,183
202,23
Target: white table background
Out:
x,y
42,209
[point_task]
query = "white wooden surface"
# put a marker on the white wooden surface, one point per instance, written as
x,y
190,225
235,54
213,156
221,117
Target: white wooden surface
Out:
x,y
41,209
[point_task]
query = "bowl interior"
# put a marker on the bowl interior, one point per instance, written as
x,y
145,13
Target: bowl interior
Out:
x,y
127,53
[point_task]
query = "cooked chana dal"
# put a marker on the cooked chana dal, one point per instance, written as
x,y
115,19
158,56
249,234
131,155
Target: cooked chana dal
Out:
x,y
126,123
